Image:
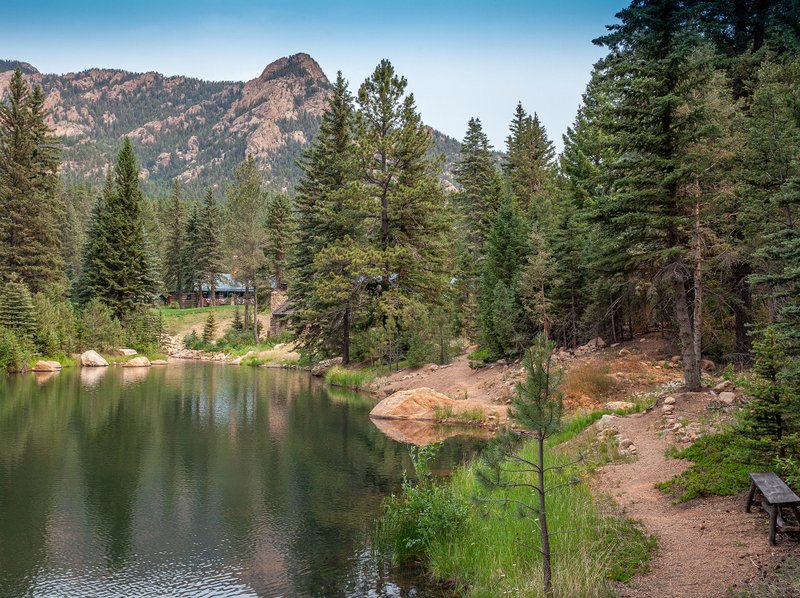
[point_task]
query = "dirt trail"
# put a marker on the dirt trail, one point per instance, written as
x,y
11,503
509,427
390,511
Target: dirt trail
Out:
x,y
707,545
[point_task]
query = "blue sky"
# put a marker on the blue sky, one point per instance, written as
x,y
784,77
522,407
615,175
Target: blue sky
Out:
x,y
461,58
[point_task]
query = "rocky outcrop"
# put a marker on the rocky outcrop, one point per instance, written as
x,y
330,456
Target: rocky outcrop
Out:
x,y
127,352
422,404
92,359
323,366
47,366
138,362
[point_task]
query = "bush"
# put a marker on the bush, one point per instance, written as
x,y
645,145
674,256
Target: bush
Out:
x,y
15,350
192,341
721,467
480,358
98,328
56,325
143,330
588,380
422,514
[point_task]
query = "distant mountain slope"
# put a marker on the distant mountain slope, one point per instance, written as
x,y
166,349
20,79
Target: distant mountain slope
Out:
x,y
193,130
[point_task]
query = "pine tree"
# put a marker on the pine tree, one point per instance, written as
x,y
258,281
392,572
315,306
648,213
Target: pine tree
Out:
x,y
210,328
657,73
537,407
325,217
475,205
16,307
530,163
503,327
118,265
175,276
208,248
30,206
280,233
246,234
189,263
405,205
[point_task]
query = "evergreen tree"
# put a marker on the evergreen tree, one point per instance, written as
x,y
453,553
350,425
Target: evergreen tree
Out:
x,y
30,206
16,308
118,266
189,263
246,234
405,208
175,275
502,321
770,424
280,233
530,163
208,246
475,204
210,328
325,217
657,71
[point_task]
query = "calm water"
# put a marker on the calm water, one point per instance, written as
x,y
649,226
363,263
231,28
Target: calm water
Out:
x,y
193,480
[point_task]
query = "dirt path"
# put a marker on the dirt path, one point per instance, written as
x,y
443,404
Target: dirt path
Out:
x,y
707,545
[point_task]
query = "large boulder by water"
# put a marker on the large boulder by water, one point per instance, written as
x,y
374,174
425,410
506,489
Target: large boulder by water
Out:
x,y
323,366
417,403
137,362
92,359
46,366
159,362
127,352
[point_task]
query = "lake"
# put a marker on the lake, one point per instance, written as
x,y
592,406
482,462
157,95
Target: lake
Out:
x,y
196,480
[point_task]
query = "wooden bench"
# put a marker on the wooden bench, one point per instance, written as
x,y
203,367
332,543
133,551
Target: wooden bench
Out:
x,y
775,496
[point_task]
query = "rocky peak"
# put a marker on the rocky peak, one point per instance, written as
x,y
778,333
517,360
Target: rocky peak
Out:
x,y
299,65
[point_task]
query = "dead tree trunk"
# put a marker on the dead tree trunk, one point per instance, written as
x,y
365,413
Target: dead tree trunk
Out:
x,y
691,364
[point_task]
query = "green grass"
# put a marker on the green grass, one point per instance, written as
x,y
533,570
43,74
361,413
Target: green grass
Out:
x,y
496,552
175,319
474,415
721,467
347,378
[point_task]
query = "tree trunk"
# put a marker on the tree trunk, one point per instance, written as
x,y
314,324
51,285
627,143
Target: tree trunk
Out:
x,y
213,292
246,304
346,337
255,311
691,363
543,533
697,313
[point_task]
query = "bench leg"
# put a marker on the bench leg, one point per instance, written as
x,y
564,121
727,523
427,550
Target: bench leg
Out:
x,y
750,496
773,523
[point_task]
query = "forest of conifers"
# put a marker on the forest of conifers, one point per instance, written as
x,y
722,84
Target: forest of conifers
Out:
x,y
672,207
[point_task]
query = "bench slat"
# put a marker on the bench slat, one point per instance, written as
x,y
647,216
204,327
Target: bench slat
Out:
x,y
774,489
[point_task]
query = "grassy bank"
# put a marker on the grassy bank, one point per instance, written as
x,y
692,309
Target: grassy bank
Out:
x,y
355,379
487,550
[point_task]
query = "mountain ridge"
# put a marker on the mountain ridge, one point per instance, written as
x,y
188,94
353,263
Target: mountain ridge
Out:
x,y
188,129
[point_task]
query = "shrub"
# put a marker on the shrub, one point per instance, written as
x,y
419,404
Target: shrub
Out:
x,y
481,357
98,328
192,341
15,350
143,330
56,325
16,307
423,513
588,380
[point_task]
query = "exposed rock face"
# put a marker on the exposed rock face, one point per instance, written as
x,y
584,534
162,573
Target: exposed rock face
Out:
x,y
46,366
416,404
138,362
93,359
184,128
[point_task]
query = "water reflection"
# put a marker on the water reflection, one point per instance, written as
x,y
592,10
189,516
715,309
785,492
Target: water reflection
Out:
x,y
192,480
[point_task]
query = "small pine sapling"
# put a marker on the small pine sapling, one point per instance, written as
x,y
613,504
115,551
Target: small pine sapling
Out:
x,y
210,328
537,406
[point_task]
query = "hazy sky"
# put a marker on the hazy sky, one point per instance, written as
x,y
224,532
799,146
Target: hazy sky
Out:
x,y
461,58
